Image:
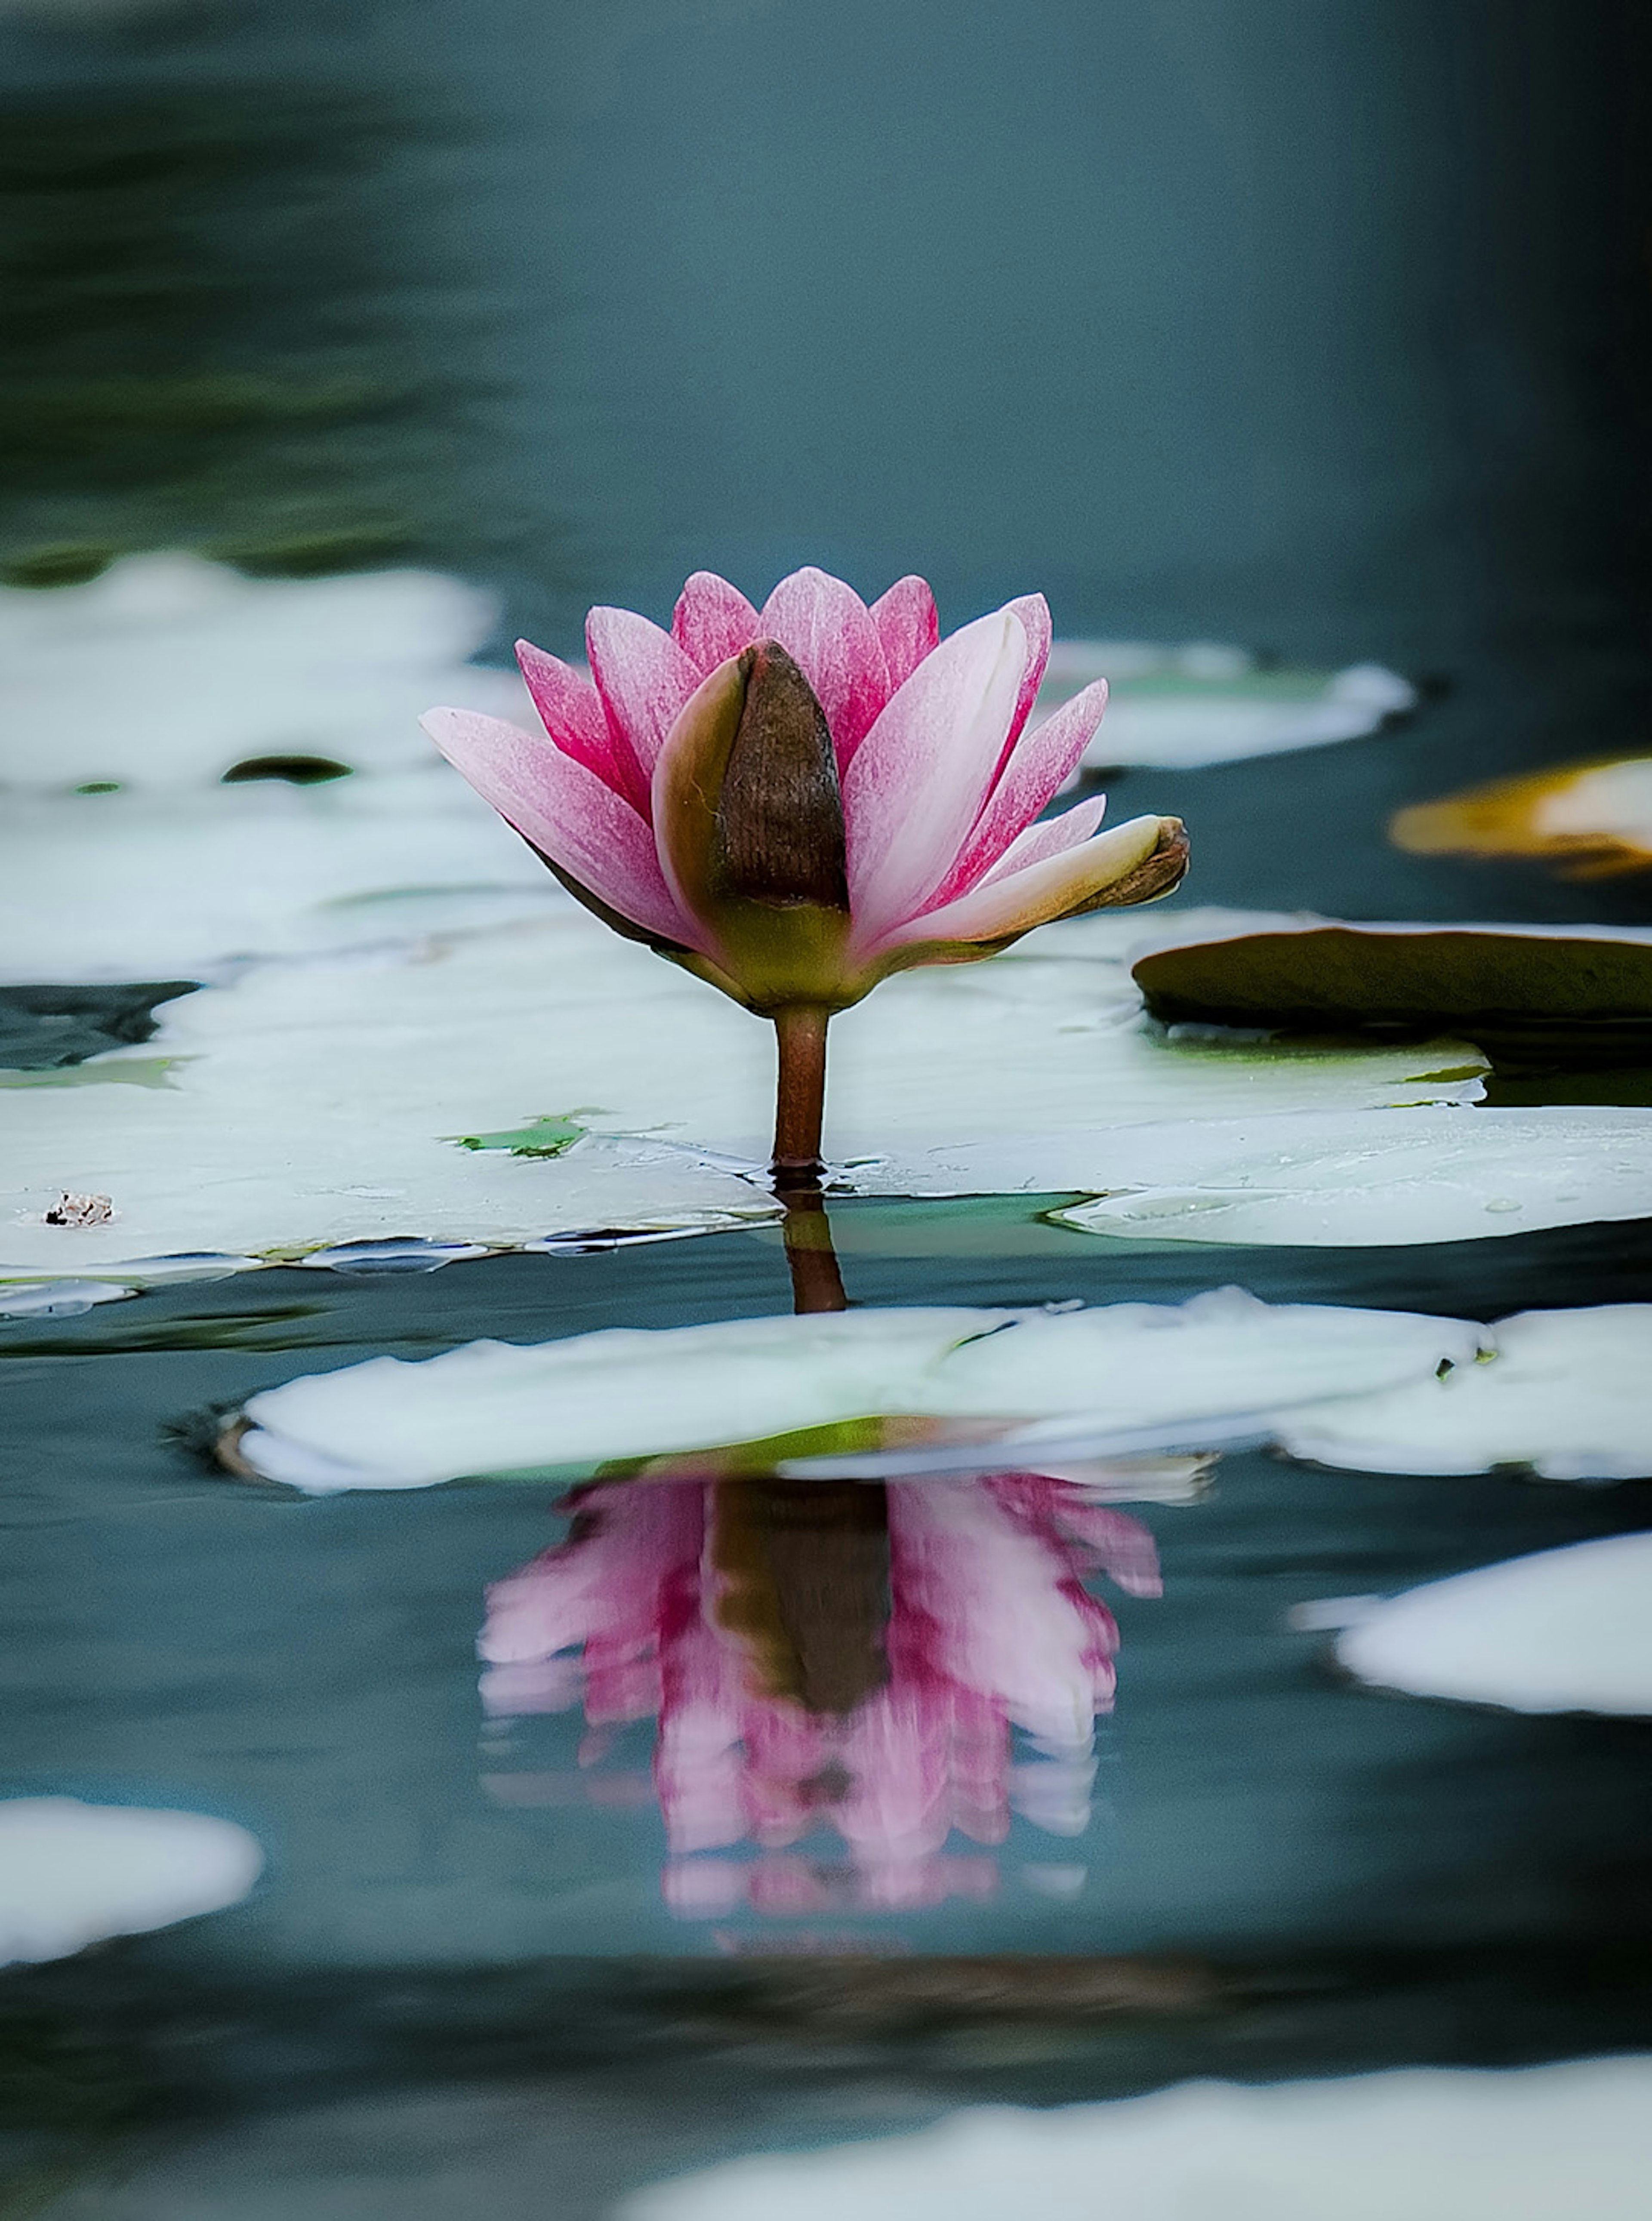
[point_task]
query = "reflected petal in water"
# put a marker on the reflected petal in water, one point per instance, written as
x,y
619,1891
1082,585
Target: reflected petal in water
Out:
x,y
821,1652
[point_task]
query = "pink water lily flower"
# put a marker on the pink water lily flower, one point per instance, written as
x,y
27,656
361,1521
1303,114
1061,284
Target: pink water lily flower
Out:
x,y
796,802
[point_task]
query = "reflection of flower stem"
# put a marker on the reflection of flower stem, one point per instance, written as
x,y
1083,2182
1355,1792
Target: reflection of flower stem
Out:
x,y
799,1095
816,1284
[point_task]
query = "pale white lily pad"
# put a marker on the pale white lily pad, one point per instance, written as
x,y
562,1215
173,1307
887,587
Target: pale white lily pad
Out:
x,y
1182,708
1567,1395
1543,2144
308,1104
72,1875
168,886
1560,1631
56,1299
1222,1365
169,670
1353,1179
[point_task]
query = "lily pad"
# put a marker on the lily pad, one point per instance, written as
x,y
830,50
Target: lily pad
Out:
x,y
44,1027
72,1875
308,1102
1560,1631
169,670
1220,1367
1435,2144
1567,1395
1521,984
1361,1179
1182,708
1595,818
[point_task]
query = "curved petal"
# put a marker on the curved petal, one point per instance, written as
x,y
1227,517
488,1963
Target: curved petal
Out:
x,y
907,626
712,621
916,785
1038,766
1053,888
828,631
562,809
643,676
1034,612
1050,836
576,721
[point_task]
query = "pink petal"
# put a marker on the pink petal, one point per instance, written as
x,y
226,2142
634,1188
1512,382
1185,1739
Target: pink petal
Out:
x,y
576,721
908,627
1034,612
643,677
1038,766
828,631
712,621
916,785
1022,899
565,811
1050,836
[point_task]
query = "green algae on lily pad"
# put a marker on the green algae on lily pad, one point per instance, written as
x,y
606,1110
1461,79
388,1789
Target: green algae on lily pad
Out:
x,y
1322,974
548,1137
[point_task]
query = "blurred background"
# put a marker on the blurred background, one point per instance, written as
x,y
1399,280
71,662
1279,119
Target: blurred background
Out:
x,y
1317,326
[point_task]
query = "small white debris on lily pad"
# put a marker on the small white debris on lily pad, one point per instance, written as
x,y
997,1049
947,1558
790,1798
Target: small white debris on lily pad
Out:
x,y
1030,1388
1543,2144
73,1209
1182,708
72,1875
1567,1395
1564,1631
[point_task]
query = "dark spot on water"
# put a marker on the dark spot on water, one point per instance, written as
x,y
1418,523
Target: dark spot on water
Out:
x,y
45,1026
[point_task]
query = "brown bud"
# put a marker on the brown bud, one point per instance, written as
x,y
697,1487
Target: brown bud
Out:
x,y
780,814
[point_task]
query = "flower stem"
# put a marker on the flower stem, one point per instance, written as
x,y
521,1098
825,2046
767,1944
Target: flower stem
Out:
x,y
799,1095
817,1283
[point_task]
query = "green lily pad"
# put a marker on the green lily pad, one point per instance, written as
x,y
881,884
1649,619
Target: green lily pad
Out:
x,y
1515,986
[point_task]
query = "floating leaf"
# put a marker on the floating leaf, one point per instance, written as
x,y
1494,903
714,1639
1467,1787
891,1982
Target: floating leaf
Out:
x,y
1183,707
1033,1387
1594,817
1437,2145
1560,1631
72,1875
1523,985
1567,1395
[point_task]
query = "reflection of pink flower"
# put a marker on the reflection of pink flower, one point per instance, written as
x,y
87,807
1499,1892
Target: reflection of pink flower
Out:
x,y
793,803
988,1628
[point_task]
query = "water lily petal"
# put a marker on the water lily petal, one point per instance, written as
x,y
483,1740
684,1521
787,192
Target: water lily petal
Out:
x,y
828,630
578,724
566,812
907,625
1050,836
1034,613
643,676
1038,766
1053,888
712,621
915,786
